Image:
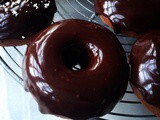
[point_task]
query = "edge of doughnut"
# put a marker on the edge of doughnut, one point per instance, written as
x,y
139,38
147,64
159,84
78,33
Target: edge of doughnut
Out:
x,y
153,109
127,33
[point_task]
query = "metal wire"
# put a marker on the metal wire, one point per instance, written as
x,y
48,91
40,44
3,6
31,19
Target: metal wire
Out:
x,y
77,9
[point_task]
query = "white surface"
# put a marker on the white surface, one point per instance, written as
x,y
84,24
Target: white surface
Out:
x,y
15,103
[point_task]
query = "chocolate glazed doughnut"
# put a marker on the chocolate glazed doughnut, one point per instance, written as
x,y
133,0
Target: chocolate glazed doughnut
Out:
x,y
76,69
145,72
21,19
129,17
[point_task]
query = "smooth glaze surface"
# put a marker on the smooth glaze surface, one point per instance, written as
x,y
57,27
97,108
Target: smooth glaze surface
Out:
x,y
145,62
130,15
79,94
23,18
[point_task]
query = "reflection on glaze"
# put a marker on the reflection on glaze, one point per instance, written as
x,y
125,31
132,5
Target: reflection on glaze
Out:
x,y
93,87
110,10
98,54
23,18
130,15
145,68
148,65
34,69
43,86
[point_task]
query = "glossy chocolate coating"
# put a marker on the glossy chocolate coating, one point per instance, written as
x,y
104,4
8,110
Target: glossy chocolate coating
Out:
x,y
130,15
76,69
145,62
24,18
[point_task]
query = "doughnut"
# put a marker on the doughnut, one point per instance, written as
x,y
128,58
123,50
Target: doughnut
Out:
x,y
22,19
76,69
145,73
132,18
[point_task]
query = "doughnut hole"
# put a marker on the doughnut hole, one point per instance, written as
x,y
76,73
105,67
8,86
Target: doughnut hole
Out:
x,y
79,56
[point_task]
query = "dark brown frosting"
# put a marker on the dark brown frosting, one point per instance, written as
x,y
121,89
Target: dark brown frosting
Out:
x,y
76,69
130,15
23,18
145,72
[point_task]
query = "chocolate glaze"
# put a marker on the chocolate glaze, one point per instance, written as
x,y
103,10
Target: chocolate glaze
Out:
x,y
76,69
145,72
130,15
21,18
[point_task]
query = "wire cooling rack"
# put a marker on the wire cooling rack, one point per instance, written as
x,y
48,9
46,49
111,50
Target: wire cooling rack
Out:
x,y
129,107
